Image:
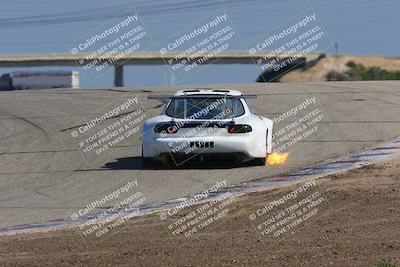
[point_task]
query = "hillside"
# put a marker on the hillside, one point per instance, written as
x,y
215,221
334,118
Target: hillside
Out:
x,y
338,64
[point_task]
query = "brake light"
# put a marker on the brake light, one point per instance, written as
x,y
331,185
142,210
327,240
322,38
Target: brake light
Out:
x,y
172,129
239,128
166,128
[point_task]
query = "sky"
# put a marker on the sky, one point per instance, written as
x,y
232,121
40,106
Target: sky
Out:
x,y
361,27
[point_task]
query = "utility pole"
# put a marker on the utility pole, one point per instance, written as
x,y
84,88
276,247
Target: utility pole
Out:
x,y
336,49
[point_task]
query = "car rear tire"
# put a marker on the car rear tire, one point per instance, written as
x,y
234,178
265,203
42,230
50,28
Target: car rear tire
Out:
x,y
259,161
147,162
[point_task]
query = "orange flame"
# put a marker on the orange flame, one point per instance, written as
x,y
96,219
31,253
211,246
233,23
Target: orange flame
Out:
x,y
277,158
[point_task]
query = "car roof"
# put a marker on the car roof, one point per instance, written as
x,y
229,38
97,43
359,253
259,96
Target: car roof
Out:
x,y
208,92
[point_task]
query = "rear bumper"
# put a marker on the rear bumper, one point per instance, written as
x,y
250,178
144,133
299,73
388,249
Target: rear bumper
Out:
x,y
240,144
179,158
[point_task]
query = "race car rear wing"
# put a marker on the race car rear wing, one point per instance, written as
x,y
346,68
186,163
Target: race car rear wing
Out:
x,y
163,97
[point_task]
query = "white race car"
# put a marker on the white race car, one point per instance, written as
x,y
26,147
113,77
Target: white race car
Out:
x,y
206,123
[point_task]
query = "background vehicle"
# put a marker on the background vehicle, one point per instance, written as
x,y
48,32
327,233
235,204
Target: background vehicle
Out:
x,y
198,123
39,80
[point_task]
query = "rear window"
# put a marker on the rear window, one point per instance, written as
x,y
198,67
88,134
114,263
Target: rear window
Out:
x,y
205,108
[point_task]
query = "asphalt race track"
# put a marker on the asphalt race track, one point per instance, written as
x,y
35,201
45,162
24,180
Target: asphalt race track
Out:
x,y
44,177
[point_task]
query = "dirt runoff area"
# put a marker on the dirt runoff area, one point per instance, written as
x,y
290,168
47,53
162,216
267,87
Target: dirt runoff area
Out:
x,y
351,219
